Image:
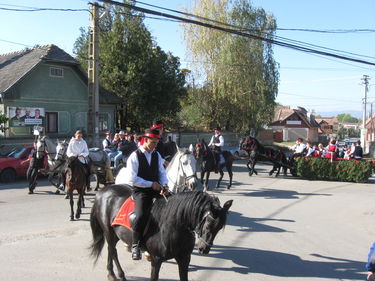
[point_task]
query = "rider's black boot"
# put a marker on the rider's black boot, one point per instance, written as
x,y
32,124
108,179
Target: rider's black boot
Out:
x,y
136,251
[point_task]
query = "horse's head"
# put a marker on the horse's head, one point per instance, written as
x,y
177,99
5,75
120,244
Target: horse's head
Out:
x,y
248,143
202,149
213,219
182,171
40,147
61,148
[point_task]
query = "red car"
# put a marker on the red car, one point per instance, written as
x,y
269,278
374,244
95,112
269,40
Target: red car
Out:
x,y
15,163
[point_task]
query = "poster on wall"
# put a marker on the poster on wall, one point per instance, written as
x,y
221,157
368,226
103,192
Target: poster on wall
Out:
x,y
25,116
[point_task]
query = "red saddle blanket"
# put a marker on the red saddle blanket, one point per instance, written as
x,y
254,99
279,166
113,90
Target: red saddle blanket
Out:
x,y
122,217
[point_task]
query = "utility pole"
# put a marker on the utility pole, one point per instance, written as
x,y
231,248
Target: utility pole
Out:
x,y
93,76
365,80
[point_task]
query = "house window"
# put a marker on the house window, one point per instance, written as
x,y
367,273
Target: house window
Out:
x,y
103,122
56,72
51,122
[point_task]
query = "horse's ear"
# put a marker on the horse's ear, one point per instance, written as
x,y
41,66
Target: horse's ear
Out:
x,y
227,205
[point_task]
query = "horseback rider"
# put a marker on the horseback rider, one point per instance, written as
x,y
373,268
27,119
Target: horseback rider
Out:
x,y
216,142
146,174
77,147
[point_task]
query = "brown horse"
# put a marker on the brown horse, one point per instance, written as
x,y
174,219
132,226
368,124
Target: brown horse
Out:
x,y
75,179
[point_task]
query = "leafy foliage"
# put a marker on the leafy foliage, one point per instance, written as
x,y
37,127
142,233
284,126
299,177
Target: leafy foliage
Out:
x,y
3,122
338,170
241,76
346,118
133,67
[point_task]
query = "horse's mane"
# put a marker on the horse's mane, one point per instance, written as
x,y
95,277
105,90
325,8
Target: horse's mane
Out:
x,y
184,208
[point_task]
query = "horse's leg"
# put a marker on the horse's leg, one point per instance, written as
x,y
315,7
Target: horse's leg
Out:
x,y
70,193
248,166
230,173
220,178
278,170
253,162
114,257
202,175
183,266
155,268
79,204
273,169
206,187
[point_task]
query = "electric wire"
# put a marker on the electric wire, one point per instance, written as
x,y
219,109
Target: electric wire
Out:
x,y
236,32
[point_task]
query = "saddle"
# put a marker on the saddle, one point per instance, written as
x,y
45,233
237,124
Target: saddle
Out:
x,y
126,214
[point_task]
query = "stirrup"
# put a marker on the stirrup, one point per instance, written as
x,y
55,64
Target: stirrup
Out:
x,y
136,252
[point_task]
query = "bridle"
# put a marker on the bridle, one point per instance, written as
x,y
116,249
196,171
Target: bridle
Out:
x,y
199,230
186,178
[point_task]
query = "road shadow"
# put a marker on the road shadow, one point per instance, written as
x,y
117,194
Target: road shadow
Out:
x,y
246,224
274,263
268,193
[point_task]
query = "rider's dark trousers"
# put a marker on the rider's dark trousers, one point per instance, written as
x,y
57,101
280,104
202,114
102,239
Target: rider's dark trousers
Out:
x,y
143,198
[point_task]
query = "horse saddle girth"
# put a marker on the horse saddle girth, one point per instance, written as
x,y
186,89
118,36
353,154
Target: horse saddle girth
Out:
x,y
126,214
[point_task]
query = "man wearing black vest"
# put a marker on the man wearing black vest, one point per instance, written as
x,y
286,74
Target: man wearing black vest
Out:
x,y
217,141
358,151
146,174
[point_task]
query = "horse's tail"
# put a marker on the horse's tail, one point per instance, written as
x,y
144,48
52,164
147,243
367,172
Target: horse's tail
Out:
x,y
97,235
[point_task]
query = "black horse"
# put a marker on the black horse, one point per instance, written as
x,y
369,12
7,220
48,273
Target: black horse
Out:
x,y
258,152
75,179
170,230
206,158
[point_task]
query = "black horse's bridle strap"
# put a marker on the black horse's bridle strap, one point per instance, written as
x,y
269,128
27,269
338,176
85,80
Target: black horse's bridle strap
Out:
x,y
198,230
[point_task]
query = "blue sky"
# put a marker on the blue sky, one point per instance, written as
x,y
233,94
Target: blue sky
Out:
x,y
314,82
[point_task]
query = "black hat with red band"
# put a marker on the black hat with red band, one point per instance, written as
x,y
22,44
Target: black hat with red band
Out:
x,y
156,124
151,133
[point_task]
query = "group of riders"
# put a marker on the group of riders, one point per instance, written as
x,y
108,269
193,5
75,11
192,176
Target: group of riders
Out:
x,y
145,158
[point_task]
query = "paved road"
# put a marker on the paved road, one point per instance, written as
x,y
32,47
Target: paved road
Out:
x,y
278,229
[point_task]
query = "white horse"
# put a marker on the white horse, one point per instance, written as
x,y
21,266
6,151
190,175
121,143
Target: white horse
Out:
x,y
181,172
45,146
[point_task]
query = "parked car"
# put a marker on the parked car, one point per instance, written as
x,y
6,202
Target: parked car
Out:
x,y
15,163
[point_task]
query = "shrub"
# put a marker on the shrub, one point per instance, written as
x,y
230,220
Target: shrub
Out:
x,y
338,170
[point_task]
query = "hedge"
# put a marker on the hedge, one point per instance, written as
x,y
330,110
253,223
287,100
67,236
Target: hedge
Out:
x,y
338,170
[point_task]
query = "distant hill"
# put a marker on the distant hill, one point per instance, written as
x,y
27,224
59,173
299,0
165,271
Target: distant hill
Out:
x,y
354,113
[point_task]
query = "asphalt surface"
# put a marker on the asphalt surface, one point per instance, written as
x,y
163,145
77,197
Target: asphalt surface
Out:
x,y
278,229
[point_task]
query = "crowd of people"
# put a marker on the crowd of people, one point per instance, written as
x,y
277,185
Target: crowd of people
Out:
x,y
331,151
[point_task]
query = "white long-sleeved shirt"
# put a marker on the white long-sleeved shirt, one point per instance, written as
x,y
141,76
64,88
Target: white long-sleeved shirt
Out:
x,y
299,147
132,166
78,148
221,141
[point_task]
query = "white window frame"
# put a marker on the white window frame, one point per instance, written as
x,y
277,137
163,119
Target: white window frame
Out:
x,y
56,69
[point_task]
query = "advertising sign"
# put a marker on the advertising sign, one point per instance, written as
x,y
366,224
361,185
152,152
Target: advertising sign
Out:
x,y
25,116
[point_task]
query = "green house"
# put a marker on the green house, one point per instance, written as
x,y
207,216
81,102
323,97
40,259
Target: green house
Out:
x,y
45,86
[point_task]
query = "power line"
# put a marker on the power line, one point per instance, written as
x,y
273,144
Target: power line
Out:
x,y
236,32
262,31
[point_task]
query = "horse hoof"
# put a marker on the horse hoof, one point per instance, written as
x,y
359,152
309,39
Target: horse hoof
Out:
x,y
78,216
66,196
111,277
31,191
148,256
71,219
228,187
57,192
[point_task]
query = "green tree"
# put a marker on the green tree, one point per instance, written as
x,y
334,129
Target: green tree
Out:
x,y
241,73
346,118
133,67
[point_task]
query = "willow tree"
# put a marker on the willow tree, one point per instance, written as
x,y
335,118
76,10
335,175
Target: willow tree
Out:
x,y
240,72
